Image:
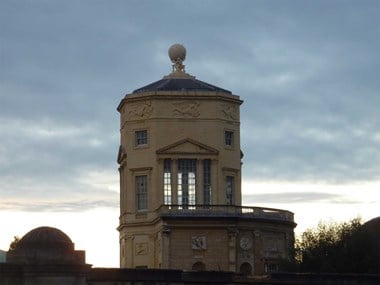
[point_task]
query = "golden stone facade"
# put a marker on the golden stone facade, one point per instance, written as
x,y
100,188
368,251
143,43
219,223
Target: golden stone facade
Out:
x,y
180,182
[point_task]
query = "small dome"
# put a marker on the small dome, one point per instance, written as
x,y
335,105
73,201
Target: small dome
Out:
x,y
46,235
45,245
373,227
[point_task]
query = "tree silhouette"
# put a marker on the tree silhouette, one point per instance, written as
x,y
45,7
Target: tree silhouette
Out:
x,y
348,247
14,243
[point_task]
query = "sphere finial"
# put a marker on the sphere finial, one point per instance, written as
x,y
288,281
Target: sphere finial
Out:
x,y
177,54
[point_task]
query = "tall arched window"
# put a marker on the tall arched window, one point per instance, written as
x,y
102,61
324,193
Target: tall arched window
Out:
x,y
167,181
187,181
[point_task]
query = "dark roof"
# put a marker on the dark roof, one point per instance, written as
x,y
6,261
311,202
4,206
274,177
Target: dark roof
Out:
x,y
45,245
45,235
180,84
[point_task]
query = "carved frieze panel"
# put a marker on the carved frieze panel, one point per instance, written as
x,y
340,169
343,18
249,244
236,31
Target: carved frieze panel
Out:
x,y
186,109
141,110
198,242
273,245
229,111
141,248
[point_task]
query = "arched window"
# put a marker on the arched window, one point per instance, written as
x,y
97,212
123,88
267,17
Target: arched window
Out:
x,y
199,266
246,268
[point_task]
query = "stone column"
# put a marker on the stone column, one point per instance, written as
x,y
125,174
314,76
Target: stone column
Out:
x,y
215,187
165,247
232,234
159,193
174,181
199,189
129,252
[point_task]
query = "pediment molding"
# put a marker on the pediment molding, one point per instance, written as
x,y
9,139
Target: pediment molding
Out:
x,y
188,146
122,155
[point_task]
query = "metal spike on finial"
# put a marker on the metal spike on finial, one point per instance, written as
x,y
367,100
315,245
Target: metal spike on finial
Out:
x,y
177,55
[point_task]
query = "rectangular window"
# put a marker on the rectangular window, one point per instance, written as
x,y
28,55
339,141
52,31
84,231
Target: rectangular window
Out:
x,y
186,192
167,181
142,192
269,267
141,137
230,189
228,138
207,182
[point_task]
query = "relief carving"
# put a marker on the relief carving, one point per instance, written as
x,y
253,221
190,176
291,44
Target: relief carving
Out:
x,y
141,248
141,111
198,242
230,111
273,245
186,109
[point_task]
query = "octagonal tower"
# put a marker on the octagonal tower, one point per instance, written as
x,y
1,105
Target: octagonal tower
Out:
x,y
180,175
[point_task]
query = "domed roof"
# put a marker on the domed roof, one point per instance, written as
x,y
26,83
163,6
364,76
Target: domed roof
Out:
x,y
180,84
46,235
45,245
373,226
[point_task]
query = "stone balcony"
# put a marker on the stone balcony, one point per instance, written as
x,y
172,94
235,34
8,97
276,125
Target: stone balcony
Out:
x,y
228,211
208,211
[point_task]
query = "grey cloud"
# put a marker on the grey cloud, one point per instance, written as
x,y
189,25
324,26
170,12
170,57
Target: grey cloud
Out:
x,y
298,197
58,206
307,71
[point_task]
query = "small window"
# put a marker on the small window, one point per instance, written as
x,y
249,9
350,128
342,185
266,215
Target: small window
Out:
x,y
141,137
142,192
228,138
270,267
230,181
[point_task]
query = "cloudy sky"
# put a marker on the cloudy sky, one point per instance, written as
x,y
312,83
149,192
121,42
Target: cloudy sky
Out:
x,y
308,72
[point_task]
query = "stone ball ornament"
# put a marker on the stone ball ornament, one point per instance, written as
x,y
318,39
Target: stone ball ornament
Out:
x,y
177,52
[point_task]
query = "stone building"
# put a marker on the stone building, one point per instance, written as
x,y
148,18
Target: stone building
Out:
x,y
46,256
182,219
180,182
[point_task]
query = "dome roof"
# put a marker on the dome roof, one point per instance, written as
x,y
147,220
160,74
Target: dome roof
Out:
x,y
45,245
180,84
373,226
45,235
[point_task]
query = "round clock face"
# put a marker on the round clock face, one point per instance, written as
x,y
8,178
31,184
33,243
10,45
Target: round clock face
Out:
x,y
245,242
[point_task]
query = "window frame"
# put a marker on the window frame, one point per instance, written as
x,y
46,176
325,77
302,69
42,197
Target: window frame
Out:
x,y
141,197
207,185
187,177
168,181
229,138
145,143
230,189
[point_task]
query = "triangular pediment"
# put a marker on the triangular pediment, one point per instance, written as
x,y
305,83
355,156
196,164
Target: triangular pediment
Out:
x,y
121,156
188,146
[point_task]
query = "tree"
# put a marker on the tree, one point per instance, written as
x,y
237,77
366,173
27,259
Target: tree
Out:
x,y
337,247
14,243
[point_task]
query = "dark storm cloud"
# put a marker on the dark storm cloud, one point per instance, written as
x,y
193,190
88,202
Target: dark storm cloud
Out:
x,y
308,72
